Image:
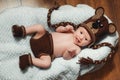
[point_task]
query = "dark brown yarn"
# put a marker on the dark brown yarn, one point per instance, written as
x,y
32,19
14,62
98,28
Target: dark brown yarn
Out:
x,y
88,60
54,26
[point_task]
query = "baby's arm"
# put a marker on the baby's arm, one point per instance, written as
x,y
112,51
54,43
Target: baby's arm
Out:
x,y
71,52
67,28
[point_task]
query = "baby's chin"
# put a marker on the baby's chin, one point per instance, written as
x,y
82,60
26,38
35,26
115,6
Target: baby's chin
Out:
x,y
67,58
76,43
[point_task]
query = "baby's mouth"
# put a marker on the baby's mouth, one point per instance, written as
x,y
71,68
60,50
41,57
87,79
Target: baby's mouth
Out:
x,y
78,40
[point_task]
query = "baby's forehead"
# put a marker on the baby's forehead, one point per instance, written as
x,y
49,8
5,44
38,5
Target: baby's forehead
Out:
x,y
82,29
85,32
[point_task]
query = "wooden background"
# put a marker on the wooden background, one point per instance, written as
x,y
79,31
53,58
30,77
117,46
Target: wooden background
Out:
x,y
111,70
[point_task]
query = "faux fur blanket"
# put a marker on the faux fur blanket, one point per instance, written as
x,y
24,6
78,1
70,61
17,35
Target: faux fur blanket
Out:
x,y
11,48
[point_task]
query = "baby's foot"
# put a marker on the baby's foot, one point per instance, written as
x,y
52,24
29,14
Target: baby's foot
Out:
x,y
18,31
25,61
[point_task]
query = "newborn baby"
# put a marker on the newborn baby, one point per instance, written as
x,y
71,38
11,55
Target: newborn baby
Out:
x,y
65,42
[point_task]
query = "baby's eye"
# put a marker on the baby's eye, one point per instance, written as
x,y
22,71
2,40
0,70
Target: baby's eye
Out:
x,y
81,32
86,39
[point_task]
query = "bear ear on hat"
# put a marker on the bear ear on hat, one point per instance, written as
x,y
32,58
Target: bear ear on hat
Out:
x,y
98,13
112,28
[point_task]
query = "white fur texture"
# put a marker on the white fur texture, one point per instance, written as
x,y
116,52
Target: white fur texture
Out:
x,y
11,48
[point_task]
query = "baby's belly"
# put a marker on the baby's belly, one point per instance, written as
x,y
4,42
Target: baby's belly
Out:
x,y
61,42
59,49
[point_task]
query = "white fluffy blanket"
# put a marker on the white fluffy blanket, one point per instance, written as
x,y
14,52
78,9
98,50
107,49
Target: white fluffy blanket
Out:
x,y
11,48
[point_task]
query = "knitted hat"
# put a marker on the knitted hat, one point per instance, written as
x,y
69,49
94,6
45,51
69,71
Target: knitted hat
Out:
x,y
98,26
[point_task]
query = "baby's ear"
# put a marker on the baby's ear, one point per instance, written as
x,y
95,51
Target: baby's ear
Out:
x,y
112,28
98,13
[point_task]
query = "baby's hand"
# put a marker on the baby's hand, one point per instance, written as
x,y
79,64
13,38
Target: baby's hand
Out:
x,y
69,28
72,52
60,29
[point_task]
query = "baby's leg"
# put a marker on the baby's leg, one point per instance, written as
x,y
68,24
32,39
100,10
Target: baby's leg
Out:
x,y
26,60
38,29
21,31
43,62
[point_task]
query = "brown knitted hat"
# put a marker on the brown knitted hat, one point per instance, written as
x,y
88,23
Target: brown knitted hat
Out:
x,y
98,26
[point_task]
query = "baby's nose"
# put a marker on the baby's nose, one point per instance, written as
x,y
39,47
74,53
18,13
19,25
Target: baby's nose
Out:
x,y
82,37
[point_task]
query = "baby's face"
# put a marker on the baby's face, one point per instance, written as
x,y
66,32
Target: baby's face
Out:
x,y
82,37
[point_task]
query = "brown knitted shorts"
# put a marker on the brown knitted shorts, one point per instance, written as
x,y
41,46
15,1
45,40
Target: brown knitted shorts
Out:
x,y
43,45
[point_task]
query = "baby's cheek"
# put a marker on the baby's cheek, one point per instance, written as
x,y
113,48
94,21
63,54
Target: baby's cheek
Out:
x,y
85,43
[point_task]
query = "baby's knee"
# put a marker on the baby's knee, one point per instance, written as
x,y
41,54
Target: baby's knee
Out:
x,y
47,65
40,28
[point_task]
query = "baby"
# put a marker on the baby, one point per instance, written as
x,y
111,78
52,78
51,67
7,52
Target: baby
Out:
x,y
65,42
